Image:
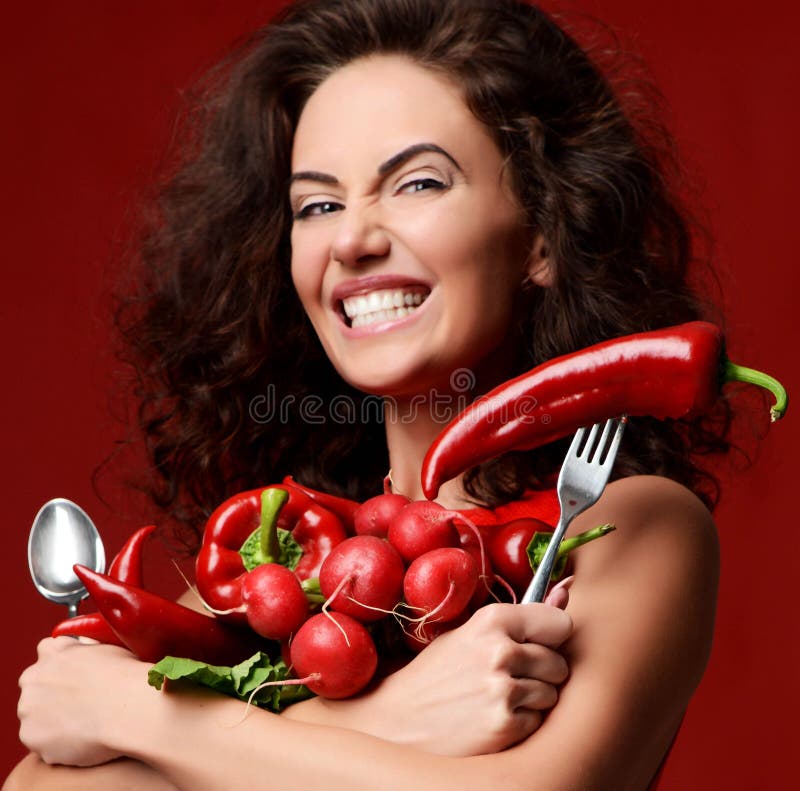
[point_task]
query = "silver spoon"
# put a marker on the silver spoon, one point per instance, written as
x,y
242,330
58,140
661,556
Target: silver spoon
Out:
x,y
61,535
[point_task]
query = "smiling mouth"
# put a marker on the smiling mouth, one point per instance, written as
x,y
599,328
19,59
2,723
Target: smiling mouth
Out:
x,y
382,305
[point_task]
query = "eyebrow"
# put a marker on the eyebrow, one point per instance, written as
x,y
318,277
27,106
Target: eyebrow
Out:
x,y
385,167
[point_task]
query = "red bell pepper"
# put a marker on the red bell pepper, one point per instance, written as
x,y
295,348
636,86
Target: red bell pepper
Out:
x,y
340,506
152,627
126,567
220,569
668,373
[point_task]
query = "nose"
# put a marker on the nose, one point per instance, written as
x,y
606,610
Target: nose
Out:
x,y
360,238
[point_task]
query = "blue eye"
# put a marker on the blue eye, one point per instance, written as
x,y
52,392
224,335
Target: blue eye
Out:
x,y
317,209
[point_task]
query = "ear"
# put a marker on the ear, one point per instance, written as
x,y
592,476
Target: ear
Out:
x,y
539,270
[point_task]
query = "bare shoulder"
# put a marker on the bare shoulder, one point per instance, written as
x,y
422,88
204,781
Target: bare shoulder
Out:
x,y
657,520
658,571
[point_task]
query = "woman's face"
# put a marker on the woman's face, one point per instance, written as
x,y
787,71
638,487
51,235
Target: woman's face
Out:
x,y
408,246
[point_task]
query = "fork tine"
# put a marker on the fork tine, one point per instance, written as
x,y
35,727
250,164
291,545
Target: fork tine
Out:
x,y
588,448
618,426
577,442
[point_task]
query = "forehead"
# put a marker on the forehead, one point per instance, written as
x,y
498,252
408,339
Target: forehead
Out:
x,y
375,106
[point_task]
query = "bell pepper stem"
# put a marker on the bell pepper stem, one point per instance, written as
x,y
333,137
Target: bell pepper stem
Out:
x,y
568,544
272,500
731,372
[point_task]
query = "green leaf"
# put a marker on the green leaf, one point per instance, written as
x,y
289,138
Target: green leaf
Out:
x,y
253,555
238,681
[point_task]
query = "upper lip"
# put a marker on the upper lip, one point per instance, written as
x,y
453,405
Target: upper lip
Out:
x,y
363,285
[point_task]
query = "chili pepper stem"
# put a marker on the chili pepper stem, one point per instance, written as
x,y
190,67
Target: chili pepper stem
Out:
x,y
573,542
272,500
731,372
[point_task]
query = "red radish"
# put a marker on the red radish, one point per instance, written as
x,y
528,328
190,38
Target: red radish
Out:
x,y
273,601
420,527
362,572
507,550
375,515
440,583
334,655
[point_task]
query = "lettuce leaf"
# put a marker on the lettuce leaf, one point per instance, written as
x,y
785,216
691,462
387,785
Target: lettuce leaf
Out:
x,y
238,681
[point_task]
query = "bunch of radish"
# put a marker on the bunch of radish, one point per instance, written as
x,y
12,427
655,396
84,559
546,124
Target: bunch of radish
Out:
x,y
414,562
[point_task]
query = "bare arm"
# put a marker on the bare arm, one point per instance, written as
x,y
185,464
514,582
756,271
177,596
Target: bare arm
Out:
x,y
124,773
634,666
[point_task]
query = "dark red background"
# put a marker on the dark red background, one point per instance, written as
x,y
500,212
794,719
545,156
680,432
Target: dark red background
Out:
x,y
89,92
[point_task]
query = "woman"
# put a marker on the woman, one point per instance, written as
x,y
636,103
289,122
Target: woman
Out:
x,y
467,155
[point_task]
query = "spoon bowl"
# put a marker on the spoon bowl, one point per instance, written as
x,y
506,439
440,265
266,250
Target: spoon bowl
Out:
x,y
62,535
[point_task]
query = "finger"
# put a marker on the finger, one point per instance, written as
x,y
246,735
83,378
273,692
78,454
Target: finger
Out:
x,y
532,660
524,722
535,623
559,596
49,646
541,623
533,695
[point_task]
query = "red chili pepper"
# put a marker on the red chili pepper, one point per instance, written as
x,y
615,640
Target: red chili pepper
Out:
x,y
340,506
673,372
126,567
152,627
92,625
220,569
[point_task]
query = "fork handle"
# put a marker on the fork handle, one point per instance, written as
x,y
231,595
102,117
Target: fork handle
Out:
x,y
538,588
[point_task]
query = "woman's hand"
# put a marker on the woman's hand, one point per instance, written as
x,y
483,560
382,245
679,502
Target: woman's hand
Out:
x,y
477,689
71,697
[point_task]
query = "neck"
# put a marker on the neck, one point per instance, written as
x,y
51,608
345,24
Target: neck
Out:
x,y
411,426
413,422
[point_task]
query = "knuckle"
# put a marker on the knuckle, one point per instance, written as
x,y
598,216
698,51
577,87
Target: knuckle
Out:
x,y
485,617
501,722
43,646
502,688
502,654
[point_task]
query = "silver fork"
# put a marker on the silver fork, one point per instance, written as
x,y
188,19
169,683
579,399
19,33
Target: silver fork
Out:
x,y
584,474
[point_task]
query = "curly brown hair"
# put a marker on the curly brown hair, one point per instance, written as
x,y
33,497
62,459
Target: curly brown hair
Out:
x,y
214,321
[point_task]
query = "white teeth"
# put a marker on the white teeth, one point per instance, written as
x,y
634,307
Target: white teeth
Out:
x,y
381,305
381,315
